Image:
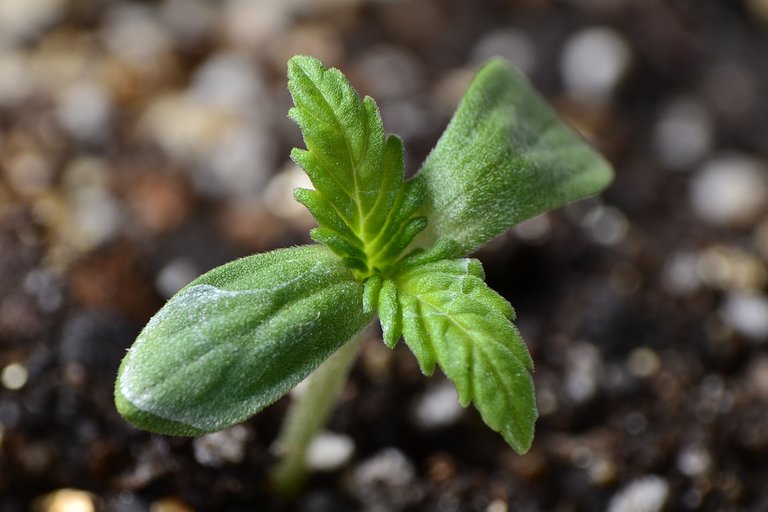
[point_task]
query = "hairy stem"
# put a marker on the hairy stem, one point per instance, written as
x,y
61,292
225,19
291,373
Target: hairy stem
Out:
x,y
309,413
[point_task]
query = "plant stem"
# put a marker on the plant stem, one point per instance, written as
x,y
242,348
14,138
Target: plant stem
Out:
x,y
309,413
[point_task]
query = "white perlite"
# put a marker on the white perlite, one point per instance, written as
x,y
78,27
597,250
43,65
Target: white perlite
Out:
x,y
220,448
593,62
438,407
730,190
329,451
747,314
646,494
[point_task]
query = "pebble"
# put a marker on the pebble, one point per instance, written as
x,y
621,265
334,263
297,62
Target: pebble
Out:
x,y
188,20
171,504
252,24
535,230
693,461
730,190
757,377
683,134
278,194
646,494
16,78
14,376
760,9
731,268
681,273
510,44
643,362
67,500
593,63
584,365
84,110
221,448
606,225
174,276
29,172
438,407
384,481
747,314
134,33
19,20
329,451
230,81
389,72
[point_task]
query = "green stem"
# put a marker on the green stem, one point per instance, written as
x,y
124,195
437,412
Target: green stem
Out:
x,y
309,413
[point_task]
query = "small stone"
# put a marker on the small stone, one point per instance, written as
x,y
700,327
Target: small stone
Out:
x,y
386,472
253,24
593,62
683,134
133,32
229,81
175,275
188,20
497,506
221,448
171,504
67,500
84,110
646,494
643,362
693,461
22,19
17,81
757,377
29,172
535,230
584,364
681,274
389,72
329,451
438,407
747,314
278,194
760,9
731,268
606,225
510,44
730,190
14,376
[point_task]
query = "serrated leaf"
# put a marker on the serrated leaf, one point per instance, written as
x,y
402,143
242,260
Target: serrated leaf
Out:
x,y
451,318
237,338
356,170
504,158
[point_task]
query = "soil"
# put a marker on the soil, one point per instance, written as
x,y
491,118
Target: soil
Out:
x,y
645,311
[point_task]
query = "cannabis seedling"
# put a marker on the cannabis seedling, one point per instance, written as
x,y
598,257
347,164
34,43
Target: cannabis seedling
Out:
x,y
240,336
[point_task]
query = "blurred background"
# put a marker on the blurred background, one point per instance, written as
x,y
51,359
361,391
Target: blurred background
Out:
x,y
144,142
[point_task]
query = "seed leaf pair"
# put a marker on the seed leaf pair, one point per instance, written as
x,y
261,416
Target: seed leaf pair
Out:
x,y
239,337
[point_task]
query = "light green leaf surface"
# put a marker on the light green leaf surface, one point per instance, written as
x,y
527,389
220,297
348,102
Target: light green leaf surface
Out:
x,y
238,338
365,211
451,318
504,158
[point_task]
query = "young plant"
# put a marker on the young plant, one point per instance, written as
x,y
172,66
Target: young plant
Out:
x,y
240,336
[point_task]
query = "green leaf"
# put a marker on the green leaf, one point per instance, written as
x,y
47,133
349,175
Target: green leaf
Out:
x,y
505,157
365,211
238,338
450,317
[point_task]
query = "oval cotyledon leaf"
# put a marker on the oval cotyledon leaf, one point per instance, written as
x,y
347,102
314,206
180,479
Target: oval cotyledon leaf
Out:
x,y
238,338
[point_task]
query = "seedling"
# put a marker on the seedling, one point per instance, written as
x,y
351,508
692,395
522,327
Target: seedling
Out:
x,y
242,335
